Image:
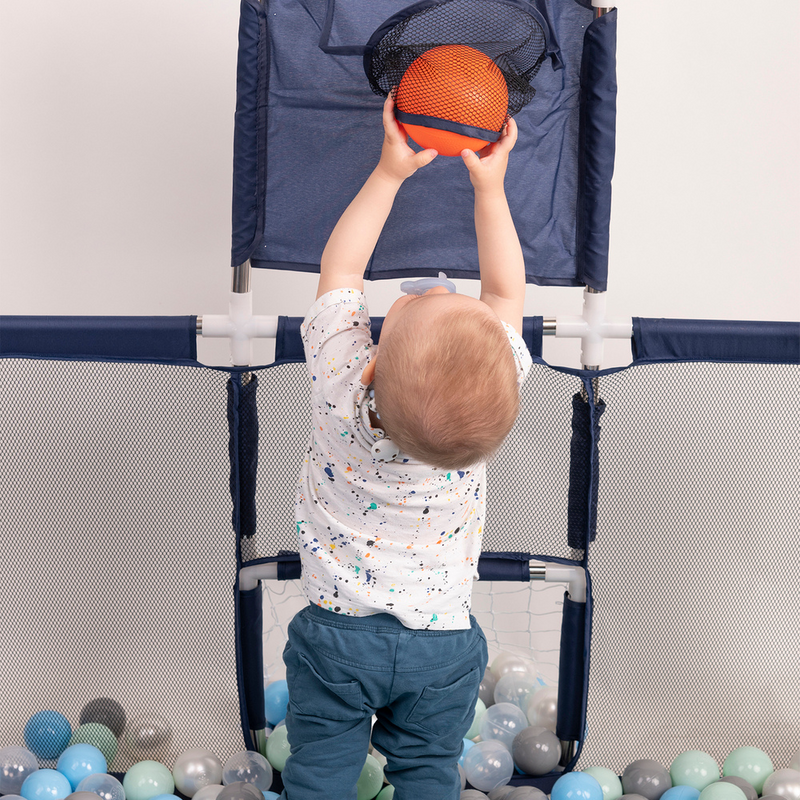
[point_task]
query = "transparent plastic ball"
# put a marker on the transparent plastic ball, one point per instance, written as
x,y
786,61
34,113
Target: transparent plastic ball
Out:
x,y
511,662
106,786
488,765
502,722
195,769
249,767
16,763
515,687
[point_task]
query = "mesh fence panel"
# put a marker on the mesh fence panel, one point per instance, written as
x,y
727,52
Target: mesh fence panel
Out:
x,y
118,557
696,567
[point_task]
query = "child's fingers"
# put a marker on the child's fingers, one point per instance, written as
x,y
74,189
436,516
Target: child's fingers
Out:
x,y
508,138
425,157
390,124
471,158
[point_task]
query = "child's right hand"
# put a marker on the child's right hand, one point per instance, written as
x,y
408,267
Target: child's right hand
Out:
x,y
398,160
487,169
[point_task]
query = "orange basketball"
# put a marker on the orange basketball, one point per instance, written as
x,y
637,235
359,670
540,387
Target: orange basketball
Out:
x,y
456,83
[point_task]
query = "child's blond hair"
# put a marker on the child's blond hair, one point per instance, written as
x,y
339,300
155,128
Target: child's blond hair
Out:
x,y
447,393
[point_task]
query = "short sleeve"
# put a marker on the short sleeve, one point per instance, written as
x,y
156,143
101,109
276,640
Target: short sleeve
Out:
x,y
521,353
337,338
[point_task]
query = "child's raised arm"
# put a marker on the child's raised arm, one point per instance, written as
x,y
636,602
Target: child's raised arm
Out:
x,y
353,240
499,251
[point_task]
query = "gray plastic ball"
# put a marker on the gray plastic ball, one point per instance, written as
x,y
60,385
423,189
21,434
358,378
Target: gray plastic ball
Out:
x,y
747,788
473,794
632,796
486,690
195,769
239,790
82,796
501,792
647,778
536,750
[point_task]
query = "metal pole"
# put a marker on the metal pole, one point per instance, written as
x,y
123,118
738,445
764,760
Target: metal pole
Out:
x,y
240,284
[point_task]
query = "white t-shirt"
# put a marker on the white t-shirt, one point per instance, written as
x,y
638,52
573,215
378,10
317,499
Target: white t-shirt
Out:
x,y
400,537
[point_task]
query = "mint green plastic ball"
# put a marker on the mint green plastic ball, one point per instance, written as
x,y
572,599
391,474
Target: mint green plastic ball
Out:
x,y
750,763
147,779
722,791
278,748
97,735
387,793
475,728
694,768
609,781
371,780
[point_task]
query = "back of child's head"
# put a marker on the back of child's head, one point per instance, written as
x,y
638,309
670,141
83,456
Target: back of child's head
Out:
x,y
447,392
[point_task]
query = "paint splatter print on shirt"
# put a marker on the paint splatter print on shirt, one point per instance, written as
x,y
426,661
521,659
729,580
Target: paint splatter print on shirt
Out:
x,y
398,537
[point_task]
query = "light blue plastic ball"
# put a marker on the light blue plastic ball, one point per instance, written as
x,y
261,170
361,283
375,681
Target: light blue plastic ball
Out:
x,y
276,701
79,761
45,784
47,733
576,786
682,792
270,795
165,797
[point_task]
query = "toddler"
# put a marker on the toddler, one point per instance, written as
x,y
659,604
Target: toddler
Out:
x,y
390,503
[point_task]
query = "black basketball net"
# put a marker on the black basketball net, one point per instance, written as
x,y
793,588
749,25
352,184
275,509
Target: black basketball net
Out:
x,y
508,34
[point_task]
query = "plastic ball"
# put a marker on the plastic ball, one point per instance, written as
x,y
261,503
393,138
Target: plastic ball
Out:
x,y
608,780
106,786
536,750
79,795
576,786
455,83
147,735
105,711
503,721
681,793
79,761
541,707
239,790
166,797
486,689
250,767
507,663
488,765
472,794
515,687
146,779
480,712
47,733
722,791
371,779
45,784
749,792
97,735
13,797
785,782
694,768
465,748
209,792
795,762
647,778
270,795
501,792
524,793
750,763
195,769
278,748
16,764
276,701
387,793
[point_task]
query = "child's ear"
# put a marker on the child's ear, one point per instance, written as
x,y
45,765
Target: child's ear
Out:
x,y
368,375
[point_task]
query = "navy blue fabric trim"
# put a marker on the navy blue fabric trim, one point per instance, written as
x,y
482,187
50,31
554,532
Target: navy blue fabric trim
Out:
x,y
659,340
504,567
447,125
596,150
249,141
251,620
147,338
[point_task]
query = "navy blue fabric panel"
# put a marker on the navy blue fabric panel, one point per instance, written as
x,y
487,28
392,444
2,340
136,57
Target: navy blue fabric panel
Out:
x,y
715,340
148,338
249,161
584,471
289,345
324,137
598,123
504,567
572,670
252,656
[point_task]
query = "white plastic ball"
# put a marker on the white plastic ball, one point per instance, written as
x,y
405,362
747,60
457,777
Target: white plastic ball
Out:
x,y
785,782
209,792
488,765
195,769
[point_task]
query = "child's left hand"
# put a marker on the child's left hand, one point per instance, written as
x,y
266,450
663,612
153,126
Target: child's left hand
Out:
x,y
398,160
